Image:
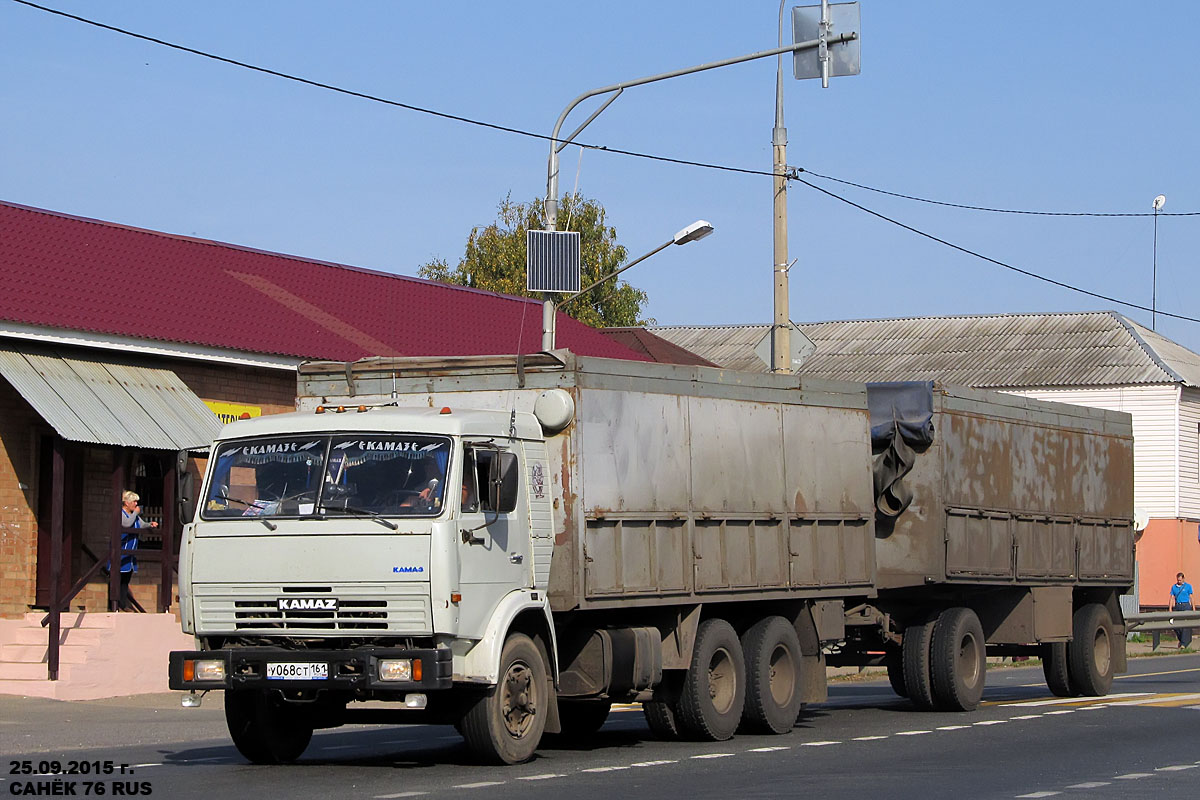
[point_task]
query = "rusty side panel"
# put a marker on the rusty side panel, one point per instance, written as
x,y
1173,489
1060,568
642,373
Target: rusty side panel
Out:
x,y
1017,492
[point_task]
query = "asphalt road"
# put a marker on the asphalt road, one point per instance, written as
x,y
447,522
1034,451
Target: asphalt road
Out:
x,y
1144,740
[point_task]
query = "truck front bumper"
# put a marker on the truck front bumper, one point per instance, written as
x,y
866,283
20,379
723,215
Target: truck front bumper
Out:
x,y
342,670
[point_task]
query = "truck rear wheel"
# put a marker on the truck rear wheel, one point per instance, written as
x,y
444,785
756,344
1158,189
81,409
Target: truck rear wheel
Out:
x,y
772,652
915,654
264,728
958,660
660,716
894,661
714,690
504,725
1056,670
1089,654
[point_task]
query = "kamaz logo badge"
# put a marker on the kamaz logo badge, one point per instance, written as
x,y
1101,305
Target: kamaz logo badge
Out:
x,y
307,603
397,570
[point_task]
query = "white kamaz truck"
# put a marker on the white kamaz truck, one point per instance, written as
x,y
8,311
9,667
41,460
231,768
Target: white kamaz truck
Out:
x,y
512,544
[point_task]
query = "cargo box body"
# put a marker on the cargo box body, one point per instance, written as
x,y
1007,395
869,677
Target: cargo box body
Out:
x,y
1014,491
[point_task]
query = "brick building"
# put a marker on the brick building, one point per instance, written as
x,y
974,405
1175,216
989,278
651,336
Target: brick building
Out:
x,y
120,346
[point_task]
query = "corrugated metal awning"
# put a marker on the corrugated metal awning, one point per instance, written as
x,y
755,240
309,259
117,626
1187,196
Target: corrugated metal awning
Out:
x,y
97,401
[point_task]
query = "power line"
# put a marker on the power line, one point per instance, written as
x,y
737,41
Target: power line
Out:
x,y
993,210
386,101
990,260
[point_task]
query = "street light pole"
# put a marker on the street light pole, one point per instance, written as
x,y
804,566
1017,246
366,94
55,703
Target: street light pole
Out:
x,y
557,144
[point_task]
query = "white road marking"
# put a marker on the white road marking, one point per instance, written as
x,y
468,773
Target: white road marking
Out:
x,y
1158,698
953,727
1175,768
1039,794
713,755
911,733
398,794
1061,711
1133,776
868,738
655,763
607,769
1027,716
817,744
771,749
152,764
479,785
1064,700
543,777
990,722
1090,785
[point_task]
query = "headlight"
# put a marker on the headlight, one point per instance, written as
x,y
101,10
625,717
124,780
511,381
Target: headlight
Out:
x,y
206,671
400,669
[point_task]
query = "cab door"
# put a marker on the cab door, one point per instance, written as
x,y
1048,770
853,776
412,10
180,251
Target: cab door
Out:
x,y
494,544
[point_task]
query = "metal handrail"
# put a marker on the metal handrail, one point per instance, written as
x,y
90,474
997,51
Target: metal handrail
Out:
x,y
1162,620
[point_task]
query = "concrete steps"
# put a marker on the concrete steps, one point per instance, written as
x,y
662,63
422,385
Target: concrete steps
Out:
x,y
100,655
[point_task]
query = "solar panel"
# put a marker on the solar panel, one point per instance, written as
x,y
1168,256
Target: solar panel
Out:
x,y
552,261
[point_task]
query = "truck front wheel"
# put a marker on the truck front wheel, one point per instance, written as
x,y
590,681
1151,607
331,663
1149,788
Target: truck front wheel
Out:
x,y
264,728
505,724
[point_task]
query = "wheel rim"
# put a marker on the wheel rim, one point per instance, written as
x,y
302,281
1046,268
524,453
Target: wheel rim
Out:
x,y
968,665
518,700
722,681
782,676
1102,651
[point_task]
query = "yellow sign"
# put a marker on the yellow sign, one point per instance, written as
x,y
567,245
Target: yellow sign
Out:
x,y
232,412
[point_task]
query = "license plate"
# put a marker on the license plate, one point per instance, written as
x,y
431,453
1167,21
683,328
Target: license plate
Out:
x,y
298,671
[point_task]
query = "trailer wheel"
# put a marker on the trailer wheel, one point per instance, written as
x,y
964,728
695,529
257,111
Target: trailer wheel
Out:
x,y
714,690
1057,670
1089,654
918,684
958,660
772,652
264,728
894,661
660,716
581,718
504,725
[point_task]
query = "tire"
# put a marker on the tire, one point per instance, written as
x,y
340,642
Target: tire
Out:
x,y
660,716
772,652
1089,654
714,690
265,729
918,684
894,661
958,660
1057,670
580,719
504,725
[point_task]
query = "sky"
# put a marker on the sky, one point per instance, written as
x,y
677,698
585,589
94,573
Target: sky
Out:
x,y
1055,107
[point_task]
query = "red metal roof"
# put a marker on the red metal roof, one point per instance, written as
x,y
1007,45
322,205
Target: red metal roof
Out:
x,y
80,274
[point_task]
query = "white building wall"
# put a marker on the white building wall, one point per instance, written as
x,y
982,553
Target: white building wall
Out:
x,y
1157,439
1189,454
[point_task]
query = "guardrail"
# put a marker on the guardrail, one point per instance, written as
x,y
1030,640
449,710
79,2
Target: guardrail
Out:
x,y
1156,622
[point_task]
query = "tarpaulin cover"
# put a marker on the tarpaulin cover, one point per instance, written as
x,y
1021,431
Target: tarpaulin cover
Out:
x,y
901,425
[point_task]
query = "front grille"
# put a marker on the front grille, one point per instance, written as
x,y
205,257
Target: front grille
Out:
x,y
351,615
377,610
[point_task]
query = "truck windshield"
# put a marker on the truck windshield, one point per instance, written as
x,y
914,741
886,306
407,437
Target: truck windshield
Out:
x,y
352,474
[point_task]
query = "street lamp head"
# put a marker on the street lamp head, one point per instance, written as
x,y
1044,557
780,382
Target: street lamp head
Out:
x,y
697,230
1159,202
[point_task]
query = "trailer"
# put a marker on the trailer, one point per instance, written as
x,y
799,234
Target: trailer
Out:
x,y
511,544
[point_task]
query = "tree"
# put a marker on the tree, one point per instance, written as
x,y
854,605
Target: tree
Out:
x,y
495,260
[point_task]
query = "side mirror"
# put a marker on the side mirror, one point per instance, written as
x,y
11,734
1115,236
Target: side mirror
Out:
x,y
502,483
185,488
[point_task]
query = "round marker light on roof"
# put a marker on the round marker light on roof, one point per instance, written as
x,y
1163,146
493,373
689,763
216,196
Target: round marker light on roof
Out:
x,y
361,409
445,410
320,410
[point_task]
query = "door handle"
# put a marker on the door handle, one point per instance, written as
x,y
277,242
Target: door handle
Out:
x,y
516,558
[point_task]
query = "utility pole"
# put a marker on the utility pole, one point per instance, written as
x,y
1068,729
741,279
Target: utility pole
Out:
x,y
781,325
